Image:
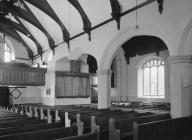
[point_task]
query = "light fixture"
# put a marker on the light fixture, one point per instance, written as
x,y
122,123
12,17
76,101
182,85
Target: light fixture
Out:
x,y
136,18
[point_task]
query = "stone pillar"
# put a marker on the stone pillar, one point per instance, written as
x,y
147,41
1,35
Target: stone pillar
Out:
x,y
121,73
181,85
104,88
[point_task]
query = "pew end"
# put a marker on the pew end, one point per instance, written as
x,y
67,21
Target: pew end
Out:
x,y
80,125
67,120
49,117
93,124
114,134
135,131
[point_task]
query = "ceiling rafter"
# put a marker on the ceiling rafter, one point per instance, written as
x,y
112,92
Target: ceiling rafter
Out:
x,y
50,39
17,37
85,19
116,11
22,12
31,36
143,4
44,6
19,28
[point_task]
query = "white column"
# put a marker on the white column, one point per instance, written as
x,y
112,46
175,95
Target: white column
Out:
x,y
181,85
104,88
121,68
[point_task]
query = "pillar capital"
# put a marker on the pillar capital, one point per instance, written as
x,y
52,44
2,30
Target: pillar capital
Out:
x,y
104,72
180,59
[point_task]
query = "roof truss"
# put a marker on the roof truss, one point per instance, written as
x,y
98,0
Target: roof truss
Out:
x,y
18,27
85,19
17,37
116,11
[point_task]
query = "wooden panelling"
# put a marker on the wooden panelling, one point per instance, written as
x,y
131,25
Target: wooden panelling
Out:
x,y
75,66
21,74
72,85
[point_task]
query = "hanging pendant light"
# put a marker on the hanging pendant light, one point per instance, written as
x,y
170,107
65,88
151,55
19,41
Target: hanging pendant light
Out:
x,y
136,18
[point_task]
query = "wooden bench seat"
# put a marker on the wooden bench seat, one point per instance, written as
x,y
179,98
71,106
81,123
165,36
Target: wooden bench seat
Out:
x,y
29,128
119,129
88,136
24,122
48,134
16,118
103,122
13,117
171,129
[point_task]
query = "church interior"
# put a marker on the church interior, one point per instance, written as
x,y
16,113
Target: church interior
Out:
x,y
95,70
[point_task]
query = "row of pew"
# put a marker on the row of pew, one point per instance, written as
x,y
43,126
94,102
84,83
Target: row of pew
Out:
x,y
21,126
164,106
84,123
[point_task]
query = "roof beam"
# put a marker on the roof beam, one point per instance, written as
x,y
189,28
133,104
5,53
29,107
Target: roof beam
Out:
x,y
19,28
31,36
20,10
85,19
44,6
50,39
17,37
111,19
116,12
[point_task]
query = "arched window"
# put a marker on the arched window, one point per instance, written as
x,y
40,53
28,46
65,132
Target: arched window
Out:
x,y
153,72
7,53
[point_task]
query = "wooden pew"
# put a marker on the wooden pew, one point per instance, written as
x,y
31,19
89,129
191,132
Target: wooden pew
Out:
x,y
86,117
87,136
48,134
23,122
124,128
6,117
14,119
171,129
28,128
103,122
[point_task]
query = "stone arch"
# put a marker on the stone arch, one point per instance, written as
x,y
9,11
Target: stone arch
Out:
x,y
88,59
125,35
182,42
118,77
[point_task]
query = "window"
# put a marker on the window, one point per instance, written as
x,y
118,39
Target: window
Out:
x,y
7,53
153,79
